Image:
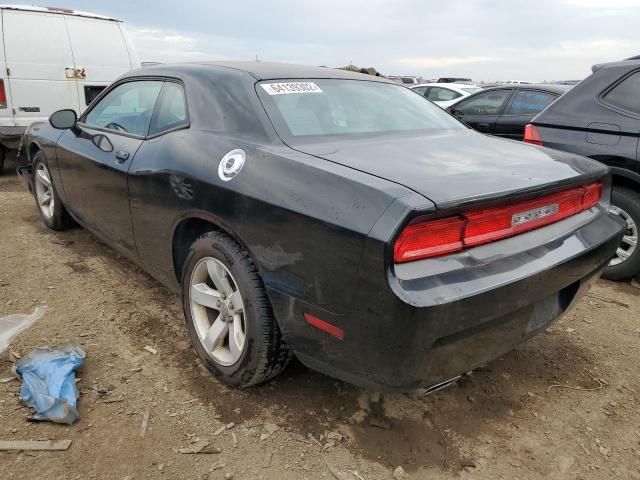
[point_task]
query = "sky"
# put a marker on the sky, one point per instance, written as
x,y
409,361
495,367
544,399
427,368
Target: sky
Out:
x,y
488,40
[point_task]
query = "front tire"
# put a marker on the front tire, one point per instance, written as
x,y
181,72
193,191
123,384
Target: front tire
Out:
x,y
228,313
626,263
53,213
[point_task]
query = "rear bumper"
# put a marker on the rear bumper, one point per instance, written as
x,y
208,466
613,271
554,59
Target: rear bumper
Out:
x,y
444,317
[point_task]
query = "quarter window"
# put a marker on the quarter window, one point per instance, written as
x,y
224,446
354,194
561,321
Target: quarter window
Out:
x,y
530,102
127,108
626,94
420,90
171,112
487,103
439,94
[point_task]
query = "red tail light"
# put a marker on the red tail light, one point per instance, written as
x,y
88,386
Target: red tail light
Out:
x,y
429,239
452,234
532,135
3,95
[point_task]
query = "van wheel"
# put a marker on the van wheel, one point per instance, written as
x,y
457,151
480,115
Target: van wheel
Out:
x,y
228,313
3,156
53,213
626,262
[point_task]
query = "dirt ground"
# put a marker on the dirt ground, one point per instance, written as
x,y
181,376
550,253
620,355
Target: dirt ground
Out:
x,y
563,406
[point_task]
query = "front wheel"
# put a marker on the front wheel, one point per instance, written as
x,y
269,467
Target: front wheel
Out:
x,y
228,313
626,262
53,213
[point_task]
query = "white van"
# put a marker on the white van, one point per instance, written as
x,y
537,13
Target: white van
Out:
x,y
55,58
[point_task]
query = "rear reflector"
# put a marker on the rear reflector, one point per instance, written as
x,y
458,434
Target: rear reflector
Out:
x,y
532,135
3,95
324,326
448,235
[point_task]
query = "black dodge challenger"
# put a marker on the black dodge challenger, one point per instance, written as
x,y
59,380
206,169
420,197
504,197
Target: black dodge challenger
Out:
x,y
331,215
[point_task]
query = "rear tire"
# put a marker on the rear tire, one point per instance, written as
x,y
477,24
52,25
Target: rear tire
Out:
x,y
53,213
218,271
626,202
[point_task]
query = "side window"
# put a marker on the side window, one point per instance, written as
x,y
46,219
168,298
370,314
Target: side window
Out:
x,y
439,94
420,90
486,103
530,102
626,94
127,108
171,111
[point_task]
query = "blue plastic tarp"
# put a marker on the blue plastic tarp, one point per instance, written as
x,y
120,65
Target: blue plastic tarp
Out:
x,y
49,382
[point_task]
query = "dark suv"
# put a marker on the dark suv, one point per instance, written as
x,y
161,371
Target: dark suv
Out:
x,y
600,118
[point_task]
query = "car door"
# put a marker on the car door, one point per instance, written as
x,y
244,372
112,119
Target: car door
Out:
x,y
94,158
523,106
481,111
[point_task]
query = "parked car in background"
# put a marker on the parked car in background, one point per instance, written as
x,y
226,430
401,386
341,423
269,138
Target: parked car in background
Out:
x,y
600,118
331,214
445,94
516,82
403,79
567,82
453,80
505,111
54,58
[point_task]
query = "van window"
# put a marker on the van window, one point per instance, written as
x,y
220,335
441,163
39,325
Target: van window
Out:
x,y
171,111
91,92
626,94
127,108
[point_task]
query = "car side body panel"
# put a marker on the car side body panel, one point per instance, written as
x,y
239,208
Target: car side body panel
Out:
x,y
279,221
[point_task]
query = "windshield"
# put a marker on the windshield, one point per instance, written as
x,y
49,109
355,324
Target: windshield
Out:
x,y
332,107
472,89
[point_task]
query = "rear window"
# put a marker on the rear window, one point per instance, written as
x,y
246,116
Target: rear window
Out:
x,y
333,107
626,94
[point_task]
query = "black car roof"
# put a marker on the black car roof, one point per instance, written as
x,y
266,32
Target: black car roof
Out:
x,y
631,63
268,70
549,87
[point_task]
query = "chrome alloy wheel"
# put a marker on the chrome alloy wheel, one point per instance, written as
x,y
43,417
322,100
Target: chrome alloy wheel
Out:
x,y
217,311
630,239
44,191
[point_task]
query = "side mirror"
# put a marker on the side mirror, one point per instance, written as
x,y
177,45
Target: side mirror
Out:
x,y
63,119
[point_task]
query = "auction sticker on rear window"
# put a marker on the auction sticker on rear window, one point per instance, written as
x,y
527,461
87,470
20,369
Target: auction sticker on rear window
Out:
x,y
288,88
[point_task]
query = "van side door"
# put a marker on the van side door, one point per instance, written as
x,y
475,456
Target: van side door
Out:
x,y
37,53
100,53
94,159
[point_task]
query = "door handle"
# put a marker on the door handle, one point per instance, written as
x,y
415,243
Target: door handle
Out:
x,y
122,156
483,125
